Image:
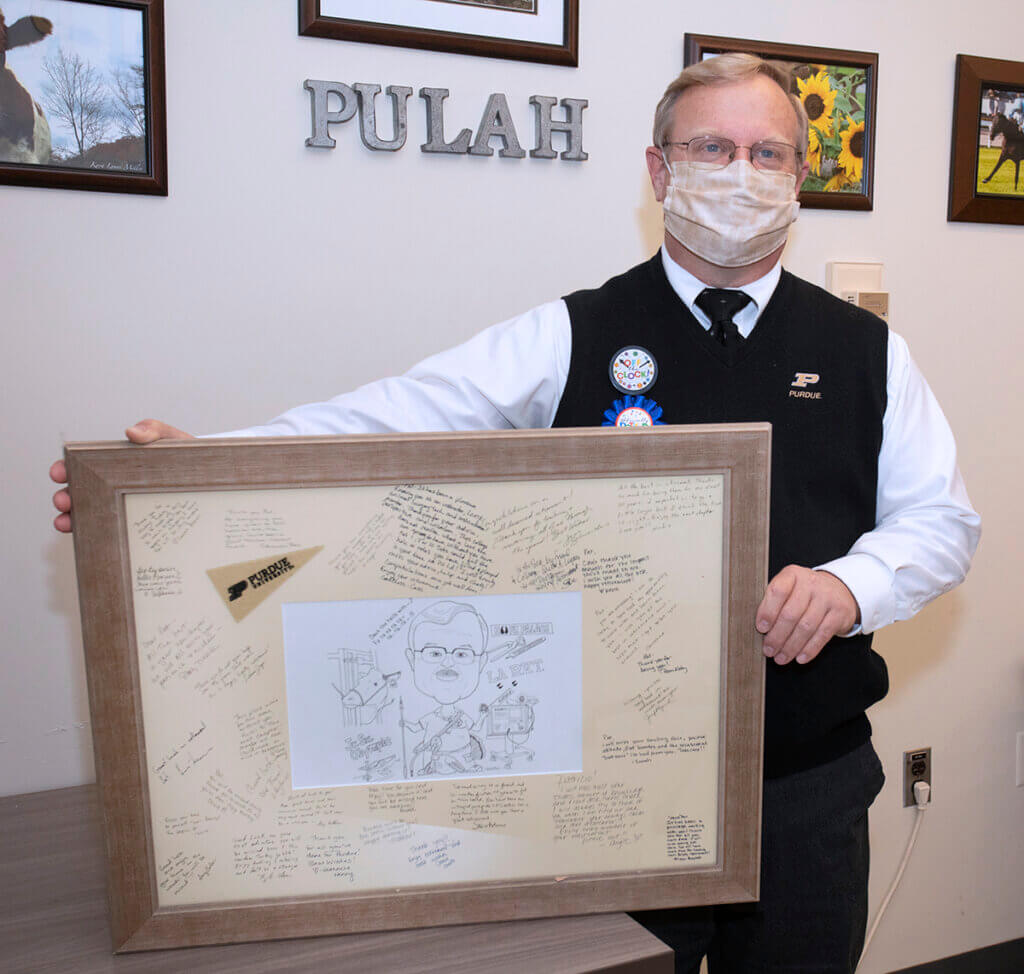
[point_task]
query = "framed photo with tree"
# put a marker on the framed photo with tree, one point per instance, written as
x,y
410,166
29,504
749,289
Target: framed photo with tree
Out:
x,y
985,184
82,95
839,92
523,30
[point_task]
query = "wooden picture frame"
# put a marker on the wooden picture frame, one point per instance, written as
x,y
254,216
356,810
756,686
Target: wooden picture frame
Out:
x,y
657,536
520,30
121,147
829,81
983,85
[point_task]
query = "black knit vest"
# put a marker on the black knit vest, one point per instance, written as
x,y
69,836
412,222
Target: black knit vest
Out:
x,y
826,434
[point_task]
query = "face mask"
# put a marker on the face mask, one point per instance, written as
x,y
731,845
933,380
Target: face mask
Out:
x,y
732,216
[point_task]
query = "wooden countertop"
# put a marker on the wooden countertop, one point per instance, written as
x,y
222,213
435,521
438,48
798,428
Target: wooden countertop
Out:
x,y
53,918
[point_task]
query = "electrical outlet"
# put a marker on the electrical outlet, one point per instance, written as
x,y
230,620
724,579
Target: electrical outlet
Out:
x,y
917,766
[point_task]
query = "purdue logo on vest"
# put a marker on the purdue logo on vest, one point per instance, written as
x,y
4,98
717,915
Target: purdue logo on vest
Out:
x,y
800,382
633,411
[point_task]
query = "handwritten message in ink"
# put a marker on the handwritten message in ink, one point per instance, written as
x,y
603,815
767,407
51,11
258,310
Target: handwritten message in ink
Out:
x,y
263,529
260,732
440,542
522,529
656,503
269,781
653,698
180,870
185,755
685,839
192,823
551,573
166,524
437,853
365,546
399,800
264,856
158,582
486,805
309,808
644,750
241,668
610,573
648,610
390,832
394,623
333,855
601,812
179,649
223,798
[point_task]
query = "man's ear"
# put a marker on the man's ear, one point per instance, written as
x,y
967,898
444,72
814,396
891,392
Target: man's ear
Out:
x,y
658,171
801,176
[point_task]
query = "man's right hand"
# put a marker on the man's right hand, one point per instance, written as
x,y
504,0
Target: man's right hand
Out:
x,y
145,431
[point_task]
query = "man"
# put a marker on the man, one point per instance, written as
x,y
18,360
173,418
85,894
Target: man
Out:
x,y
447,653
869,516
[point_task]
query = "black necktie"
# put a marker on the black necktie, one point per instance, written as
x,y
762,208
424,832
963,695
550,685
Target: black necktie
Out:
x,y
720,305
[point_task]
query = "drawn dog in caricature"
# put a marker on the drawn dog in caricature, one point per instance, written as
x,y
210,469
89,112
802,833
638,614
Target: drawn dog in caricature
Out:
x,y
447,651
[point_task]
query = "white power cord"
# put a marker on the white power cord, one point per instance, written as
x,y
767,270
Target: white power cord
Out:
x,y
922,792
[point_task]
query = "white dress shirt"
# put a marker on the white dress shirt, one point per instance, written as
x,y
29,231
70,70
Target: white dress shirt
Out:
x,y
926,531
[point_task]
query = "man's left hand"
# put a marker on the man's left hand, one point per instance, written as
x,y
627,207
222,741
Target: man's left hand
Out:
x,y
802,610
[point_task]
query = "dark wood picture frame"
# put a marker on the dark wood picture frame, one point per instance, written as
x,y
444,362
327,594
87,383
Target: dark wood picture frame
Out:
x,y
314,24
698,46
104,476
974,75
153,179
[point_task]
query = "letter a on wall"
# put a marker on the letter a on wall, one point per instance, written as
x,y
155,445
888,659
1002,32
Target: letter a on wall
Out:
x,y
245,584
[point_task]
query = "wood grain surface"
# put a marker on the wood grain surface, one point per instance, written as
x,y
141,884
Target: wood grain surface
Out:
x,y
54,918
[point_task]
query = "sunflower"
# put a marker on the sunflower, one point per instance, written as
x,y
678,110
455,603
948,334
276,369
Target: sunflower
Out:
x,y
851,156
839,182
814,151
819,101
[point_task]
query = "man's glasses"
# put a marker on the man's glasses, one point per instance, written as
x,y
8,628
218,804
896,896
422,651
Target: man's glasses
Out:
x,y
462,655
719,152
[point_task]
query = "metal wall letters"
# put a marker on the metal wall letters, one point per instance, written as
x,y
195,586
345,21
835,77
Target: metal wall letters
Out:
x,y
496,122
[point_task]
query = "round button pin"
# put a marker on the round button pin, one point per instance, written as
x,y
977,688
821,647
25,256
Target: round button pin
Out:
x,y
633,369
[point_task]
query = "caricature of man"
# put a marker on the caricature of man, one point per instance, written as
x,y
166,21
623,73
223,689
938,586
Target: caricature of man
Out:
x,y
447,643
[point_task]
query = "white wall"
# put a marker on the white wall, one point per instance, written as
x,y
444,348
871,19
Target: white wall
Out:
x,y
275,274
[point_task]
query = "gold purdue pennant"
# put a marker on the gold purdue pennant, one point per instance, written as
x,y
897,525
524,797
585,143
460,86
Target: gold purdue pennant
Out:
x,y
244,585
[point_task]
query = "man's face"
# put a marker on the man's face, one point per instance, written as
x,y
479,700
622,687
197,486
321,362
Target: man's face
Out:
x,y
756,110
447,659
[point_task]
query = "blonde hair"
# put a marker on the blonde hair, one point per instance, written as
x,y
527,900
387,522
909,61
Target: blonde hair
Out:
x,y
725,69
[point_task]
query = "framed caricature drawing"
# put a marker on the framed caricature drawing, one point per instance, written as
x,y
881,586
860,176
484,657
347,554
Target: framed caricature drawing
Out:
x,y
364,683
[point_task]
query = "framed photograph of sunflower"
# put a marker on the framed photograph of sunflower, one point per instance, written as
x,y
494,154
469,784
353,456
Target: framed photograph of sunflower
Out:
x,y
985,183
839,92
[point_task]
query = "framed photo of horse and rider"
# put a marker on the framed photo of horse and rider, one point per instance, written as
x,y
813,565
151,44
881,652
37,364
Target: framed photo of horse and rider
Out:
x,y
82,95
985,184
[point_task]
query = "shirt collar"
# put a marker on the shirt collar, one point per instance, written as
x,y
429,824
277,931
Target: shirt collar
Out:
x,y
688,287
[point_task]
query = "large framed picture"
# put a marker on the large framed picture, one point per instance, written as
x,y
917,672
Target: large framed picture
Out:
x,y
380,682
839,92
523,30
82,95
988,144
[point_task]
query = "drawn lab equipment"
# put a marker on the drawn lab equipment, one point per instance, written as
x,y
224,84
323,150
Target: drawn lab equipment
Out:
x,y
507,726
365,689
